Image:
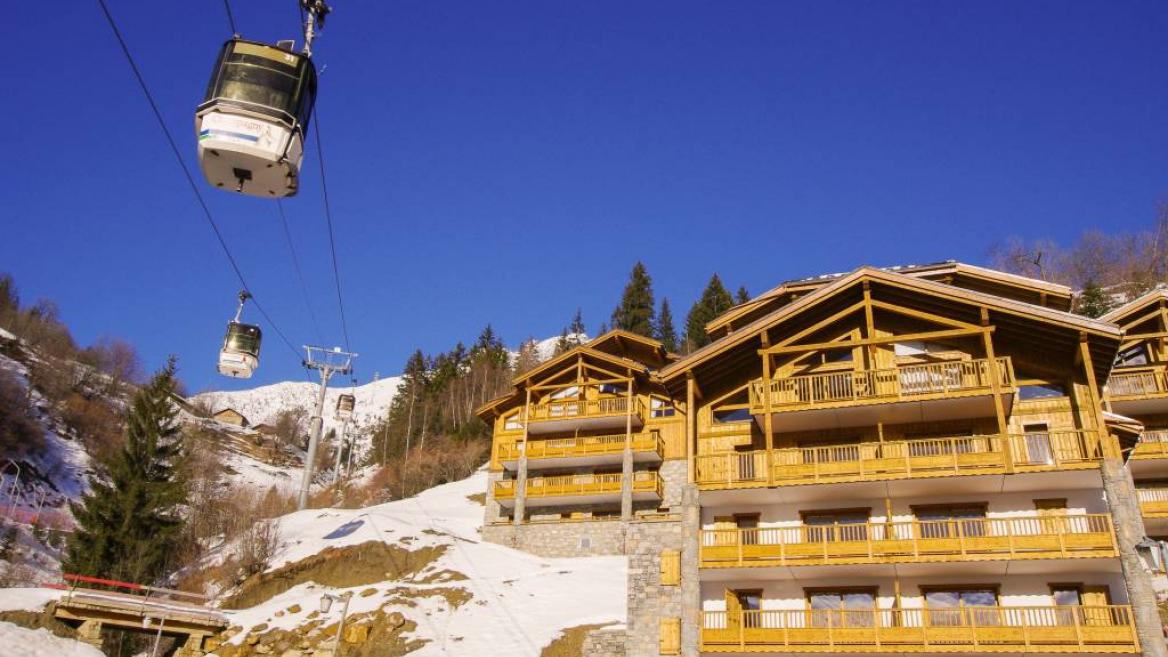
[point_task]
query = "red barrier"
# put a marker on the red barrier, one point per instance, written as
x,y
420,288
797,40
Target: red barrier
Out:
x,y
71,577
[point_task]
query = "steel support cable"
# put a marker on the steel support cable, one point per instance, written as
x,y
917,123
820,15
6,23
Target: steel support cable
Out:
x,y
190,179
299,271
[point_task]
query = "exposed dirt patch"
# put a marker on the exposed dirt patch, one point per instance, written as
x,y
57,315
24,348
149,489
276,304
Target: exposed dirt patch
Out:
x,y
405,596
376,634
478,498
37,619
356,565
570,643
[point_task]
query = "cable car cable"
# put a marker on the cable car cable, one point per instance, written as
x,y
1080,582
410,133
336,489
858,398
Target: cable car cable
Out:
x,y
230,16
328,215
299,271
186,172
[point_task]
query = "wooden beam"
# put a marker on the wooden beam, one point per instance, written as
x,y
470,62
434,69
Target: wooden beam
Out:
x,y
851,344
691,421
921,315
869,327
767,420
822,323
1110,447
996,386
588,382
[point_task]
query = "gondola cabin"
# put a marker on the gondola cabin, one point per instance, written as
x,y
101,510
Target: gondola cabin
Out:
x,y
252,121
345,405
240,355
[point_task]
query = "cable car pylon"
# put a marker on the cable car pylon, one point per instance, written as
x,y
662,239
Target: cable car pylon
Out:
x,y
328,362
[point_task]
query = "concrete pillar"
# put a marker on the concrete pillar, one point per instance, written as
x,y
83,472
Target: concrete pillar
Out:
x,y
1129,530
90,632
691,602
521,488
627,483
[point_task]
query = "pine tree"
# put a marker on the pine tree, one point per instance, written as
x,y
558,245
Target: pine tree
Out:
x,y
128,524
742,296
666,332
635,312
1093,301
576,328
714,301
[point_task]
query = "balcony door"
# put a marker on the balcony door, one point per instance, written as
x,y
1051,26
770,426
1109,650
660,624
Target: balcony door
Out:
x,y
742,608
961,606
951,520
842,607
834,525
1036,446
1089,603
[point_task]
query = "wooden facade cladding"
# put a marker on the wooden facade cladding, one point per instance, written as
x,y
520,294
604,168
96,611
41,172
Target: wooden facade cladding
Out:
x,y
915,541
1050,629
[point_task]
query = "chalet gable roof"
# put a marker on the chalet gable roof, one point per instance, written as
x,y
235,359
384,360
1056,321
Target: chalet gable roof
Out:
x,y
1135,305
935,289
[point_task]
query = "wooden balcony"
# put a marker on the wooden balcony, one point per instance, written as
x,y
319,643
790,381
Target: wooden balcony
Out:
x,y
1153,445
579,489
586,415
901,459
1153,502
1050,629
1140,392
915,541
647,447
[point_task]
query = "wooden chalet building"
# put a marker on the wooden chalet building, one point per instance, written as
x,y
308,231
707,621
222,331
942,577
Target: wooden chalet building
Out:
x,y
916,460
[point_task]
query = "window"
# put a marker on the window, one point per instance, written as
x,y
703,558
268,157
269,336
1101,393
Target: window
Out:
x,y
567,393
732,415
660,407
917,348
1043,390
611,389
837,356
512,422
951,520
747,525
846,607
1137,355
948,607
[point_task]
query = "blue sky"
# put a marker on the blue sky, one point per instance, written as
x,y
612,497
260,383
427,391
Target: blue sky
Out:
x,y
509,162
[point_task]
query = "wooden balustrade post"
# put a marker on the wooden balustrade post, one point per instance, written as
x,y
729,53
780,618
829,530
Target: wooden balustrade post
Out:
x,y
768,420
996,386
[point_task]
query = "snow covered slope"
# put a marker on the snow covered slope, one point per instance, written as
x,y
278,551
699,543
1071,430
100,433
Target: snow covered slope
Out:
x,y
519,602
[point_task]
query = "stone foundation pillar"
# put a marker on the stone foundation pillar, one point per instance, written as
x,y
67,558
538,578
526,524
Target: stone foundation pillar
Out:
x,y
521,488
193,647
691,592
90,632
627,483
1129,530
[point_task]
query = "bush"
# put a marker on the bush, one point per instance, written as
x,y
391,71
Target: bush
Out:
x,y
20,433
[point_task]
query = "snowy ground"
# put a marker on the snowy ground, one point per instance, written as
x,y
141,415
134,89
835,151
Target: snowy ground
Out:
x,y
520,601
21,642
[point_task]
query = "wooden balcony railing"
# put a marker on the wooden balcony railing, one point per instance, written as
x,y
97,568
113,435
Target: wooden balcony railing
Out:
x,y
1153,501
900,459
581,484
908,382
1153,445
1071,628
552,448
1123,386
914,541
585,408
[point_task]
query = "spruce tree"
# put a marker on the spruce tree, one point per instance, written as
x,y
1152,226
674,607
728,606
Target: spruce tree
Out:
x,y
666,332
742,296
129,524
635,312
576,328
714,301
1093,301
